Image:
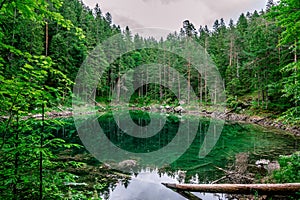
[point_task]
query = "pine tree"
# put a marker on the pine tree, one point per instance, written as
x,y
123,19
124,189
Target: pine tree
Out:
x,y
269,5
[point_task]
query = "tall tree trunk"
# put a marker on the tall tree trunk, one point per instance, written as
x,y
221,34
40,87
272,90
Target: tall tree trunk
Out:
x,y
205,72
15,189
118,87
266,89
200,88
231,51
43,120
215,99
295,52
178,77
237,66
160,86
189,82
41,154
109,83
258,89
147,79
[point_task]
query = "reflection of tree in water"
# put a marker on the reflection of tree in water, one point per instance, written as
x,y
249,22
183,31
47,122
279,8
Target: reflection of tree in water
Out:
x,y
125,182
237,145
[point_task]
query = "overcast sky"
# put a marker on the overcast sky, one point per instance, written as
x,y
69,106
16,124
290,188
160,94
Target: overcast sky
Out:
x,y
169,14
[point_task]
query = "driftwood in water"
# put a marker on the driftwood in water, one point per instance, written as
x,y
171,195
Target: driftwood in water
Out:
x,y
235,176
288,188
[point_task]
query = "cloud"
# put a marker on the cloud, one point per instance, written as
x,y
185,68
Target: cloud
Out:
x,y
124,21
232,8
163,1
170,14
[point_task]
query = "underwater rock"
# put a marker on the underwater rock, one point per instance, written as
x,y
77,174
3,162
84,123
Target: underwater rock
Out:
x,y
127,164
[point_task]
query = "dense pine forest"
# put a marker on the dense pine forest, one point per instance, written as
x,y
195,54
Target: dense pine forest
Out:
x,y
44,43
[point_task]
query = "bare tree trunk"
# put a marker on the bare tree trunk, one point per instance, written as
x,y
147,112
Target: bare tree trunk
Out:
x,y
13,33
141,81
200,88
295,52
189,82
178,76
109,83
205,86
15,189
237,66
43,122
258,89
146,86
266,89
41,154
231,52
205,74
215,100
118,87
160,86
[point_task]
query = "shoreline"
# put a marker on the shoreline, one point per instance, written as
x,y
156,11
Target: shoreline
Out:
x,y
227,116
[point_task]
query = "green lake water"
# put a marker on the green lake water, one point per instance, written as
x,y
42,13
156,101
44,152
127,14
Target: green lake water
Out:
x,y
140,135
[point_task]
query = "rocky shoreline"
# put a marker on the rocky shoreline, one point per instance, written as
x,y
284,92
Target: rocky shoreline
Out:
x,y
263,121
228,116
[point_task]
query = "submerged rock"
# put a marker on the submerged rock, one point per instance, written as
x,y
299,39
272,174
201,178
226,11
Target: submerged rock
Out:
x,y
127,164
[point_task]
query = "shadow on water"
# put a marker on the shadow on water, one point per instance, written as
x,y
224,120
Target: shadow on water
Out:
x,y
258,142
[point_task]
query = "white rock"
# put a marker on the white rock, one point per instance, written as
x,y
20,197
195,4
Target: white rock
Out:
x,y
262,162
179,109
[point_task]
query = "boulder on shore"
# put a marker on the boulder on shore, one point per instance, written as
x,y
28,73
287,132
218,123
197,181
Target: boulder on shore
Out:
x,y
179,109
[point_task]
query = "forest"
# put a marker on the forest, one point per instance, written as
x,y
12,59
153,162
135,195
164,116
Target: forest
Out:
x,y
44,43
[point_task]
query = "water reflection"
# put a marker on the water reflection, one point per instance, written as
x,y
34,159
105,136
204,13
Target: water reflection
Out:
x,y
147,185
247,142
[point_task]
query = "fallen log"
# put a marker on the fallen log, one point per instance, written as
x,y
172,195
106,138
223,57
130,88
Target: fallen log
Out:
x,y
287,188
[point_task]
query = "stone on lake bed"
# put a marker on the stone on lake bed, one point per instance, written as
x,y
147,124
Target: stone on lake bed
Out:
x,y
127,164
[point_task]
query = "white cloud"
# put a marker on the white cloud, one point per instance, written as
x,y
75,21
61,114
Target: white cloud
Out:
x,y
170,14
163,1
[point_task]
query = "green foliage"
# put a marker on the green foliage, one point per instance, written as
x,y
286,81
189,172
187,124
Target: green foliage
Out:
x,y
257,54
289,171
232,102
20,160
27,75
287,14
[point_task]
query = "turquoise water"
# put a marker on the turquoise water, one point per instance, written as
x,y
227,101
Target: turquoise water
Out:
x,y
139,134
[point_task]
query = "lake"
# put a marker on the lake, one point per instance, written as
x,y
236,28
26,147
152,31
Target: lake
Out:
x,y
174,149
